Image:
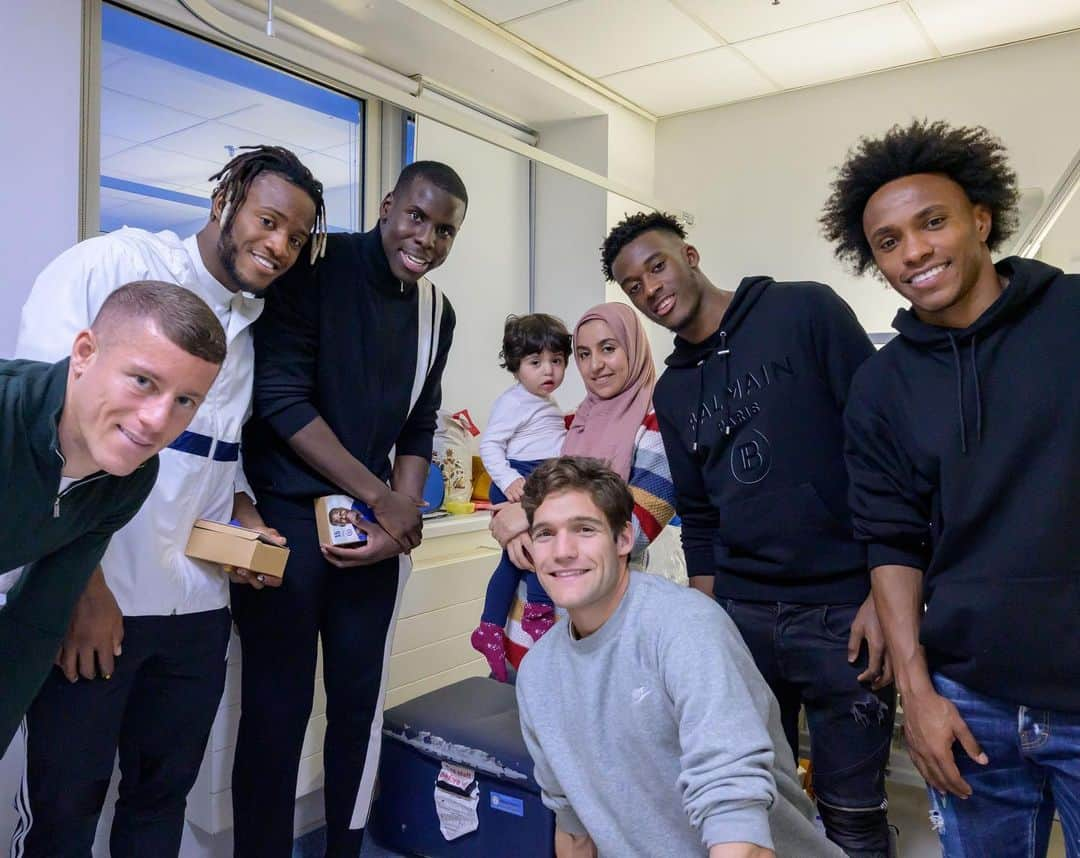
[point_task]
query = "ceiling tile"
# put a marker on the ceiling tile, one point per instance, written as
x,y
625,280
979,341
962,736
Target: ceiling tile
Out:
x,y
601,37
215,142
159,167
842,47
176,87
965,25
501,11
111,145
737,20
707,79
332,172
138,119
306,129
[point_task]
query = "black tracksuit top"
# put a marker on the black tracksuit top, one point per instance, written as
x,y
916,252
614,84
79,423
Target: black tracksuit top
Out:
x,y
339,341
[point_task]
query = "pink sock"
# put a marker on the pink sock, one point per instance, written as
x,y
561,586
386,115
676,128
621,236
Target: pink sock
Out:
x,y
488,640
536,619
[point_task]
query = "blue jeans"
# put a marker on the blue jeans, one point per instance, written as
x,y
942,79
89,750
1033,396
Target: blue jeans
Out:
x,y
801,651
1034,767
503,584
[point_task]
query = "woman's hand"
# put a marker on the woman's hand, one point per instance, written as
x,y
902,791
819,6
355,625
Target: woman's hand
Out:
x,y
507,521
519,550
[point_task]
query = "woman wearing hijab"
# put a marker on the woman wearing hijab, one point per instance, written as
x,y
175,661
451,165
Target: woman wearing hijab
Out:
x,y
616,423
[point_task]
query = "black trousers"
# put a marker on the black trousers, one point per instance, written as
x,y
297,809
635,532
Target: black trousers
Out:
x,y
801,651
351,611
156,709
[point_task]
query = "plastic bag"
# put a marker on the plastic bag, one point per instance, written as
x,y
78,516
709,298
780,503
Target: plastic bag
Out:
x,y
452,452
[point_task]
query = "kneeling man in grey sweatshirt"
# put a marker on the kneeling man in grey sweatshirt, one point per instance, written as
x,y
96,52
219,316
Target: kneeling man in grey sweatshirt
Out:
x,y
651,730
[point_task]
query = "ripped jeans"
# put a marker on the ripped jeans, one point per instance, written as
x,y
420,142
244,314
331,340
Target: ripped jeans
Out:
x,y
801,651
1034,767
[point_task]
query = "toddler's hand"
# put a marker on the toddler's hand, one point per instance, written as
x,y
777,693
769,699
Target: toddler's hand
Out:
x,y
515,490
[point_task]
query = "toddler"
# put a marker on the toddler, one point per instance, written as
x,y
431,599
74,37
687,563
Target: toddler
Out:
x,y
525,428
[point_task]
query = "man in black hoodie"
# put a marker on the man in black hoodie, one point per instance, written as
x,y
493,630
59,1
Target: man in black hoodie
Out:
x,y
750,412
963,447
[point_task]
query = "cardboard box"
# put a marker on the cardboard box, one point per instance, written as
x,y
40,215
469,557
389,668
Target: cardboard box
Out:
x,y
334,515
230,545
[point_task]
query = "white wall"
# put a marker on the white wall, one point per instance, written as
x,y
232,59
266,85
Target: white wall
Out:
x,y
487,274
755,175
41,44
570,218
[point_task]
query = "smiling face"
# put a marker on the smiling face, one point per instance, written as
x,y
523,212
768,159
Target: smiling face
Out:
x,y
131,392
419,224
602,361
658,271
581,563
541,373
929,242
264,236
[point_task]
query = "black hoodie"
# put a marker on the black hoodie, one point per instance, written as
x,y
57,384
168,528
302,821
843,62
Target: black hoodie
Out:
x,y
752,426
964,455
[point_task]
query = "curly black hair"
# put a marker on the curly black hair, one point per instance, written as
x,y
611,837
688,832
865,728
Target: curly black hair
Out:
x,y
530,335
629,228
970,156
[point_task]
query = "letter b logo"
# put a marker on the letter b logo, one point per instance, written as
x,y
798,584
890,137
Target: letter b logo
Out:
x,y
751,457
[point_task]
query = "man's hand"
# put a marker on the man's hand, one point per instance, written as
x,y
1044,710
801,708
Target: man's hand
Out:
x,y
866,627
508,520
519,550
379,546
931,725
574,845
400,517
96,631
515,490
256,579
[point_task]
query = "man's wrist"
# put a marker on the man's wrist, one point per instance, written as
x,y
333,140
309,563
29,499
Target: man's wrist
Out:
x,y
374,495
913,679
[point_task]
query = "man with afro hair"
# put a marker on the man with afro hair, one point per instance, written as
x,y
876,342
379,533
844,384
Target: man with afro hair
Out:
x,y
963,449
750,408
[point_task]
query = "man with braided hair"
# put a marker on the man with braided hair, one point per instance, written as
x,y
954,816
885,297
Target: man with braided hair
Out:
x,y
156,699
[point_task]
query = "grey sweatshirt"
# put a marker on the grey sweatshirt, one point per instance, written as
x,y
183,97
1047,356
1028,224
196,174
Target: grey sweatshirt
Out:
x,y
656,734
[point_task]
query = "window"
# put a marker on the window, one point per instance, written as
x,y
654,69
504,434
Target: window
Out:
x,y
175,109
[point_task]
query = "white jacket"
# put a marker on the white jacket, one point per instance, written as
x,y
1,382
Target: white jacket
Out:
x,y
145,566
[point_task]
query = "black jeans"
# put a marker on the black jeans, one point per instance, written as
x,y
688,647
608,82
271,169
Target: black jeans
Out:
x,y
801,650
156,709
351,611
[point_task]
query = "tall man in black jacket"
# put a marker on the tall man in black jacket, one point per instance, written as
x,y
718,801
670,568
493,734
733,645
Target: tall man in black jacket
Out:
x,y
963,446
349,361
750,411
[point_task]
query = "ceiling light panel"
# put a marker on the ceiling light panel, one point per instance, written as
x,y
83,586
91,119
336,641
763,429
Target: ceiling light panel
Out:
x,y
839,48
601,37
708,79
737,20
967,25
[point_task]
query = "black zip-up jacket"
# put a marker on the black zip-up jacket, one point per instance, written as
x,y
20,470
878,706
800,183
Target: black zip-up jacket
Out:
x,y
57,538
964,454
339,342
752,425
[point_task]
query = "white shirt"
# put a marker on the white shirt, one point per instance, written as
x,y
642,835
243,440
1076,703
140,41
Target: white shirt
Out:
x,y
145,566
521,426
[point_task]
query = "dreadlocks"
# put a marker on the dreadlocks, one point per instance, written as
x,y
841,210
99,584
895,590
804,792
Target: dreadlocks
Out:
x,y
234,179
